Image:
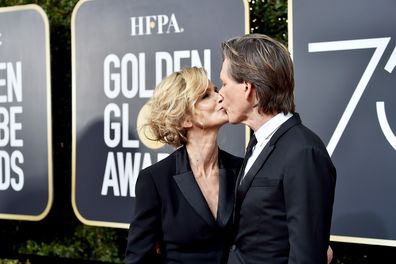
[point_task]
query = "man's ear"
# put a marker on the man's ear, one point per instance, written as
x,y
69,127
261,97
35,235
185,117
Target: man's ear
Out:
x,y
250,90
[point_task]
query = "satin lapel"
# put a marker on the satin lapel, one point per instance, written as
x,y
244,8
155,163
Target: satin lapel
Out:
x,y
247,180
185,180
226,197
241,189
190,190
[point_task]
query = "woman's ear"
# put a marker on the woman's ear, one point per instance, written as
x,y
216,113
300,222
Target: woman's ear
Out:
x,y
187,122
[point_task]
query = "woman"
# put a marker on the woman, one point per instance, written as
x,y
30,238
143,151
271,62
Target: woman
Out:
x,y
184,203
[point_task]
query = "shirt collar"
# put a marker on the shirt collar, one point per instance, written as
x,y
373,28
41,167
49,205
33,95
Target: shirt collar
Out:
x,y
269,127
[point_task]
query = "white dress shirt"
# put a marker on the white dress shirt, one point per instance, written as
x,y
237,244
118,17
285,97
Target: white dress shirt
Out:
x,y
263,136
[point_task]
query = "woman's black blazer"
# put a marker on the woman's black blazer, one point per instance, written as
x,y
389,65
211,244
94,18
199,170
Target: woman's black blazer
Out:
x,y
171,214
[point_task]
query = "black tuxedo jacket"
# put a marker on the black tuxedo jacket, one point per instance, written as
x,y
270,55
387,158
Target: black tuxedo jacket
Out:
x,y
171,211
284,204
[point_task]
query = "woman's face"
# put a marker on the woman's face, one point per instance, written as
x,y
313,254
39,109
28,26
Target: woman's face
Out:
x,y
209,113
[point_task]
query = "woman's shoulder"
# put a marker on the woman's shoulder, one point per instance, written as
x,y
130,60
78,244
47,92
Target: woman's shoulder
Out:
x,y
163,166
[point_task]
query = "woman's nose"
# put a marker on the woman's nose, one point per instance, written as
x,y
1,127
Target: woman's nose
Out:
x,y
220,98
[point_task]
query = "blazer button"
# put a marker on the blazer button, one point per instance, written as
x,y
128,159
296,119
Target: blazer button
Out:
x,y
233,247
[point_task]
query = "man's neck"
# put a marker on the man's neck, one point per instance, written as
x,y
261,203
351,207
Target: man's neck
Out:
x,y
257,120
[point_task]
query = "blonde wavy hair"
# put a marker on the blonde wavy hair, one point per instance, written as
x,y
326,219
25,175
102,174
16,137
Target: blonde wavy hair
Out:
x,y
173,100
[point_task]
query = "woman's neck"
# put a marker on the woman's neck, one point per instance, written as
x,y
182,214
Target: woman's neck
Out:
x,y
203,150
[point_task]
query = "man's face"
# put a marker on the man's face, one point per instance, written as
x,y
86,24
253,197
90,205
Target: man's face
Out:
x,y
234,97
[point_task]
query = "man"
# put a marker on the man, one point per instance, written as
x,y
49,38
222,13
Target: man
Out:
x,y
285,193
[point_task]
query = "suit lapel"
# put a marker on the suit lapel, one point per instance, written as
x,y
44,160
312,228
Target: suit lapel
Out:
x,y
190,190
247,180
226,196
185,180
242,189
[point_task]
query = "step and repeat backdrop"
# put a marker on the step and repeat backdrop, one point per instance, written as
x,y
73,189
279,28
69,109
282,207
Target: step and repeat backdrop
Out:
x,y
121,50
344,55
25,114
